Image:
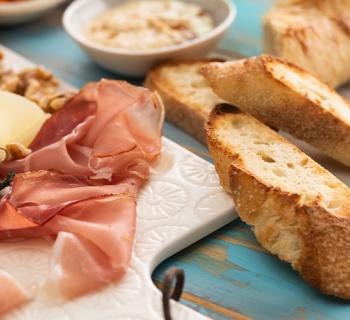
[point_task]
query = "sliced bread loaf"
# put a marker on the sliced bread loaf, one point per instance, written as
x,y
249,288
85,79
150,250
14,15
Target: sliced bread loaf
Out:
x,y
187,96
299,211
288,98
313,34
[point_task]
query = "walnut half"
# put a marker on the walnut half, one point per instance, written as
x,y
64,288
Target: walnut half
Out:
x,y
2,155
36,84
13,151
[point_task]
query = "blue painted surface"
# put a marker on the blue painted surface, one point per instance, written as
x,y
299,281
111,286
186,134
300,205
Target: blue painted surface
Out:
x,y
227,269
255,283
245,34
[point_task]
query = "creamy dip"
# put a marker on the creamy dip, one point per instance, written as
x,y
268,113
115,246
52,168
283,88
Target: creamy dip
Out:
x,y
138,25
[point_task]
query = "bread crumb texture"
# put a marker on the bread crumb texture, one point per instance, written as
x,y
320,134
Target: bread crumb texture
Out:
x,y
299,211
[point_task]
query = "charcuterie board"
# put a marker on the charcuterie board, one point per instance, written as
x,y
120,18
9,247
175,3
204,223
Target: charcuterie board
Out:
x,y
182,203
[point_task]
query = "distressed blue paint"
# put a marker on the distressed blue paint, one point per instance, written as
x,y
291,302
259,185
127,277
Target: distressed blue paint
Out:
x,y
245,34
274,290
262,286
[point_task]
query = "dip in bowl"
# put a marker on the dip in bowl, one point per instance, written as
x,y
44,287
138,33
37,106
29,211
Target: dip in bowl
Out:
x,y
142,25
129,37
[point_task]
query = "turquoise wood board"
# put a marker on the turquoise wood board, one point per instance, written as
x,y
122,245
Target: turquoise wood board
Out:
x,y
229,276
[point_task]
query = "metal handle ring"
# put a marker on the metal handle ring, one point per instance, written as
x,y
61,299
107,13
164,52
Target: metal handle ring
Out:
x,y
177,275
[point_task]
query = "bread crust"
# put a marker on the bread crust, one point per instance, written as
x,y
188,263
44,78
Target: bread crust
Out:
x,y
178,109
252,85
312,239
312,34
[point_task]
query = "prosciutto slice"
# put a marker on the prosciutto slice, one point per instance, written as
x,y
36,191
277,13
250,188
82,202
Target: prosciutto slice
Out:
x,y
14,294
116,135
80,184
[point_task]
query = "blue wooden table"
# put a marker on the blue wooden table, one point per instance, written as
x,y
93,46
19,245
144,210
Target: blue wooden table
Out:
x,y
229,276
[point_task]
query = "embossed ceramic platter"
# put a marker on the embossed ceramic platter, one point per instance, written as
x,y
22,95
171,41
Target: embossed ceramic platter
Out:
x,y
182,203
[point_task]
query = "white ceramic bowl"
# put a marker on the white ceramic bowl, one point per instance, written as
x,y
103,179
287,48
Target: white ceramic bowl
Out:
x,y
132,63
23,11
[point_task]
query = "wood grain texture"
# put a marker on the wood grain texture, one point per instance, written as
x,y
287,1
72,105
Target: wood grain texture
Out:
x,y
192,299
229,276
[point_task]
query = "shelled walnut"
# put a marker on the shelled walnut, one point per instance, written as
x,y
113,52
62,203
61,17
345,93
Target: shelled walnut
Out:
x,y
13,151
37,84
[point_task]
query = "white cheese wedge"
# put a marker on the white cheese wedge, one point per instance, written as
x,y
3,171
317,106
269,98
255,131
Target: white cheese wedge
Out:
x,y
20,119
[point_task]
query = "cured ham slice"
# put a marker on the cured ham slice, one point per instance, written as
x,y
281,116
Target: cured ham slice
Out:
x,y
109,130
97,248
80,184
11,219
79,267
11,293
40,195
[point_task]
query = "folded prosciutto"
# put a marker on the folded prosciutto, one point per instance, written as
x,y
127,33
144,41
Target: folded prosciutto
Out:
x,y
80,184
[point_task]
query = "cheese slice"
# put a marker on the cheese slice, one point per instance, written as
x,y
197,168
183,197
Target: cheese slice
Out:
x,y
20,119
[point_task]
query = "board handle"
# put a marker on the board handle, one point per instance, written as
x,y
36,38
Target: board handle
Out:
x,y
177,275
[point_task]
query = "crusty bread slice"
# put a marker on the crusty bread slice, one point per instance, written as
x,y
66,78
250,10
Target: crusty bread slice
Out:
x,y
313,34
299,211
288,98
187,96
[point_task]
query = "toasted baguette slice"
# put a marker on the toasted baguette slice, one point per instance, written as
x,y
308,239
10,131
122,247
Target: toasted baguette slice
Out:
x,y
313,34
299,211
285,97
187,96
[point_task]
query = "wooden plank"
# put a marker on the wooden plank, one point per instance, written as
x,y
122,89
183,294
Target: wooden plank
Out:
x,y
191,298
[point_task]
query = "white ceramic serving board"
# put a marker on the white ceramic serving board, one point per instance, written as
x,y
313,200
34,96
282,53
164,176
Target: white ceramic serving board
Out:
x,y
182,203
